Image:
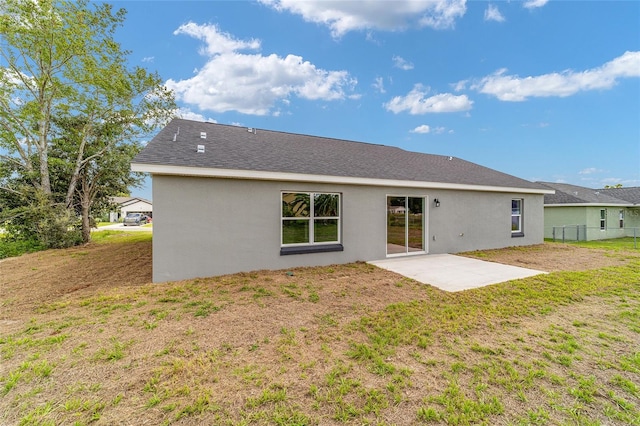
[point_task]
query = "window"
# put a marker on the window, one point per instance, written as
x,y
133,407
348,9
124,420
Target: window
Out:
x,y
603,219
310,219
621,219
516,217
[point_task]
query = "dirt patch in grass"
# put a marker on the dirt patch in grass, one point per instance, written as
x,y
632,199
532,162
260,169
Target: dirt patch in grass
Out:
x,y
39,277
85,336
550,257
61,276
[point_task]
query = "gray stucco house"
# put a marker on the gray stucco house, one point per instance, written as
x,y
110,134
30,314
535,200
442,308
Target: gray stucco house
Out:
x,y
229,199
579,213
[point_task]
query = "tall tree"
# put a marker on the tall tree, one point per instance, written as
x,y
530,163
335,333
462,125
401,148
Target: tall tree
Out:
x,y
102,172
63,65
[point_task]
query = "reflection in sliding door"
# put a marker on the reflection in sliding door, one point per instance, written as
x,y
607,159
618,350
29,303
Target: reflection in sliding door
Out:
x,y
405,225
415,224
396,229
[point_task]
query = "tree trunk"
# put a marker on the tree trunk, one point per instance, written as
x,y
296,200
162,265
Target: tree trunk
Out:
x,y
45,182
72,188
85,206
77,168
43,146
86,221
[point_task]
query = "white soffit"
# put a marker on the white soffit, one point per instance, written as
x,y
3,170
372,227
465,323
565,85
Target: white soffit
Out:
x,y
161,169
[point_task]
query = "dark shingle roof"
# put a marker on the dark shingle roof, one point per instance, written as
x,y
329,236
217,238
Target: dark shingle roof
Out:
x,y
237,148
631,194
127,200
573,194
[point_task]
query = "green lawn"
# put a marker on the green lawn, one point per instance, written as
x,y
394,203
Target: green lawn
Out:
x,y
116,236
10,248
625,243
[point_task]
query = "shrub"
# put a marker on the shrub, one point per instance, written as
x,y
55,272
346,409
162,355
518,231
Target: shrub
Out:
x,y
39,224
12,248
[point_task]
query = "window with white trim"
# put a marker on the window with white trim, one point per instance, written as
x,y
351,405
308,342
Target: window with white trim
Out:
x,y
603,219
516,217
310,218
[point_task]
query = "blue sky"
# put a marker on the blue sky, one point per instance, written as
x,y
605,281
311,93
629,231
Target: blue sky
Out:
x,y
544,90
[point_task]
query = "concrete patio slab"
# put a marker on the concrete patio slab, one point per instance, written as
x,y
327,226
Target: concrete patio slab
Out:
x,y
453,273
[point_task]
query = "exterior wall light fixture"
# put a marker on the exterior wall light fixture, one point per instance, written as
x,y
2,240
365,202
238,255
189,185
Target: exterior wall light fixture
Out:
x,y
436,202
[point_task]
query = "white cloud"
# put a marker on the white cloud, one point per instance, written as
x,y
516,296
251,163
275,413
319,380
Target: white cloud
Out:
x,y
417,102
514,88
421,129
378,85
401,63
252,83
216,41
589,171
460,86
533,4
444,14
424,129
493,14
10,78
187,114
344,16
148,59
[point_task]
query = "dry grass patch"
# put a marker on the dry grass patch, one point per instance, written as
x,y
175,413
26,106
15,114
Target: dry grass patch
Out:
x,y
551,257
348,344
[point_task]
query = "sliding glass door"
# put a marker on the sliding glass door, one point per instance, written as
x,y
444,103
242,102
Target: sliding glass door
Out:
x,y
405,225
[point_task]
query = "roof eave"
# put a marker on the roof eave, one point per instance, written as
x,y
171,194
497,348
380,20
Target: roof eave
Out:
x,y
163,169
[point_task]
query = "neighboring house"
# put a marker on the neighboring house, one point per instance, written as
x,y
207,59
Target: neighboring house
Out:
x,y
396,209
579,213
230,199
126,205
